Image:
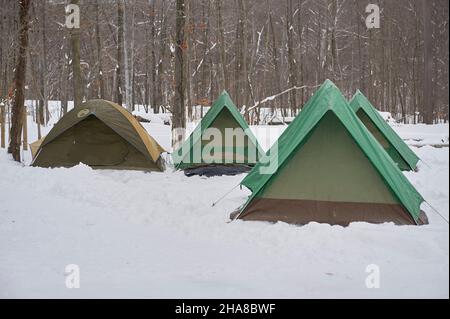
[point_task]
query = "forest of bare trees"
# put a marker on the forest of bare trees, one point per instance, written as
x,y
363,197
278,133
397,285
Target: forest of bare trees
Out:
x,y
163,54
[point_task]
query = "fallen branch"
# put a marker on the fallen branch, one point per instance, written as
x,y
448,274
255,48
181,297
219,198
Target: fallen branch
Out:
x,y
271,98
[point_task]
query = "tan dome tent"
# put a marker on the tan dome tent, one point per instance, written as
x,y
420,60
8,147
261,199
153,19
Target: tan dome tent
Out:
x,y
34,147
100,134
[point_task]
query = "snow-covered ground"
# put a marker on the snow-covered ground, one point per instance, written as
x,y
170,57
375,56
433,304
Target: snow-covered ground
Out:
x,y
421,134
156,235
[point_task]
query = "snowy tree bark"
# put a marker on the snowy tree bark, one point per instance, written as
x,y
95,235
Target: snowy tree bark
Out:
x,y
153,63
127,61
428,103
291,58
2,125
162,56
179,108
120,14
44,114
25,129
76,66
240,74
101,83
19,81
222,46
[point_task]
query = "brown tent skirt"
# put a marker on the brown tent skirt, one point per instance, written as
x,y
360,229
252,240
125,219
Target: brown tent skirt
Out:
x,y
302,212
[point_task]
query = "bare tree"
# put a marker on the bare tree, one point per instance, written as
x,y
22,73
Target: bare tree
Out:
x,y
179,107
290,44
254,49
428,63
240,73
2,125
76,65
221,38
120,54
101,84
19,81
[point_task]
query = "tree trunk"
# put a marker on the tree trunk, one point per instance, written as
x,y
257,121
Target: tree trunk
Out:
x,y
147,102
291,59
66,79
275,63
128,60
189,40
221,38
38,123
205,66
43,109
362,69
2,125
300,49
428,103
179,116
25,130
19,80
76,67
162,56
101,83
152,99
241,94
334,51
119,93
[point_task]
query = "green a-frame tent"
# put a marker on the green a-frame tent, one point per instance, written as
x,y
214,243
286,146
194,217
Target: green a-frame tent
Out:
x,y
329,169
397,149
209,150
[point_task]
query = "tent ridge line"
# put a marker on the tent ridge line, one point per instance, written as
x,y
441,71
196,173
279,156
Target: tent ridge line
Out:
x,y
142,136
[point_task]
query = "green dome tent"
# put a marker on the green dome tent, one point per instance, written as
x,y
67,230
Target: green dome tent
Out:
x,y
397,149
100,134
329,169
209,151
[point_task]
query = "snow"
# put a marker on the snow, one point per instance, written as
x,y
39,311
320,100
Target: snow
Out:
x,y
154,118
387,116
156,235
421,134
